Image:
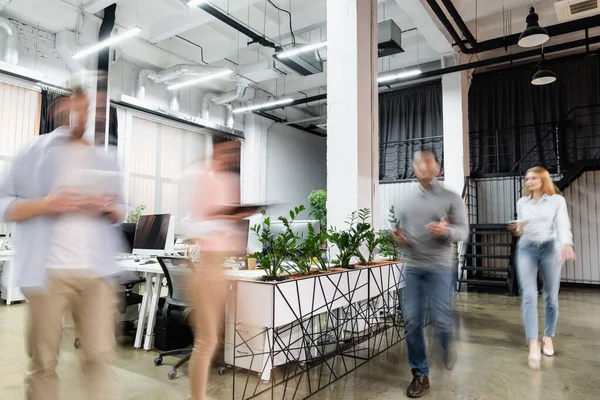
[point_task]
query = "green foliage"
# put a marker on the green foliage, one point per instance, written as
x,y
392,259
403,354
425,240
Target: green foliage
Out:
x,y
348,241
387,244
318,207
310,250
135,214
275,248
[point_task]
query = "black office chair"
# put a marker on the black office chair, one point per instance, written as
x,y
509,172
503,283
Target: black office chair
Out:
x,y
178,272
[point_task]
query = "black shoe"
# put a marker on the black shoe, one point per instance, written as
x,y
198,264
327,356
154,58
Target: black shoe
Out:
x,y
418,387
450,358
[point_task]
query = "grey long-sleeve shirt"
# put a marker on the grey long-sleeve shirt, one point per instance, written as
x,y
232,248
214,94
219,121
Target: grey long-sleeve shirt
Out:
x,y
431,205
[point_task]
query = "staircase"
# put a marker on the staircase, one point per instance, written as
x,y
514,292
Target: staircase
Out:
x,y
487,258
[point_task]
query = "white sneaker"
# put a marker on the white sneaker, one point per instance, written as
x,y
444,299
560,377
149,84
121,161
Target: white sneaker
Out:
x,y
534,356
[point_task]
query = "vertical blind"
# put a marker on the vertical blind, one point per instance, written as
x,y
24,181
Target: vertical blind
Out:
x,y
155,158
19,124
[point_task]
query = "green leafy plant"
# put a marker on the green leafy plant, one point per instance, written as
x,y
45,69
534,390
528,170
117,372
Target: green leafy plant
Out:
x,y
135,214
275,248
372,242
318,207
348,241
309,251
387,244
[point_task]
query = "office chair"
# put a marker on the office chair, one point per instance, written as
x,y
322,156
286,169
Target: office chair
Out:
x,y
178,272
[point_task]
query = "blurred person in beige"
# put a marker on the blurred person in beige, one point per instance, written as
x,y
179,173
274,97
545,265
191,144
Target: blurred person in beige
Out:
x,y
213,220
65,247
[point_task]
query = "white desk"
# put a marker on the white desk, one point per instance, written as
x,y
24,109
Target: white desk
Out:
x,y
149,306
10,291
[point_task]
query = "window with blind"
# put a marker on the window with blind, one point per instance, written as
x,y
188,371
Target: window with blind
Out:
x,y
19,124
155,157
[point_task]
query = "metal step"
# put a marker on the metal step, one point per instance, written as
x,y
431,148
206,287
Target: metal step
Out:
x,y
489,257
488,232
482,282
481,244
485,269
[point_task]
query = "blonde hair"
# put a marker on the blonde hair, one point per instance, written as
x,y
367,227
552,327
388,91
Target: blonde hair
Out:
x,y
548,186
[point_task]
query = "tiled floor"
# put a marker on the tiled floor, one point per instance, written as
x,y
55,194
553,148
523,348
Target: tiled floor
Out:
x,y
492,360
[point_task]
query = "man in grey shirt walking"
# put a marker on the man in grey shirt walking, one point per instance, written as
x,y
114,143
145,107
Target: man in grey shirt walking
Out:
x,y
429,222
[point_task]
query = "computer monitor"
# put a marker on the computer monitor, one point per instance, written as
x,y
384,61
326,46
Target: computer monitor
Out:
x,y
154,235
128,231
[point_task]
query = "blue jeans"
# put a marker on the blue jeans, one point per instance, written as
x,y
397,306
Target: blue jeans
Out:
x,y
530,258
435,284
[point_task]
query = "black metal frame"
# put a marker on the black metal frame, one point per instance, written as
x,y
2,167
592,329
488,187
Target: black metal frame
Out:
x,y
353,334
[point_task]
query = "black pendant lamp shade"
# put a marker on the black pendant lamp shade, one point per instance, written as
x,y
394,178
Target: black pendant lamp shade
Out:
x,y
534,34
543,76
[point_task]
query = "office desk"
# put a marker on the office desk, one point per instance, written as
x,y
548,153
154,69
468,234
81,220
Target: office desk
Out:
x,y
10,291
149,306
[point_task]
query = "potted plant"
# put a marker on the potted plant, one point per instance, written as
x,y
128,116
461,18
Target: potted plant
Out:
x,y
318,207
275,248
134,215
308,252
348,241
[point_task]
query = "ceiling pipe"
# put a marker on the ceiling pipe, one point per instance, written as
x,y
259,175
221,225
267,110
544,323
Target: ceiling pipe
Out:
x,y
11,54
462,67
229,120
170,74
234,95
224,99
255,36
500,42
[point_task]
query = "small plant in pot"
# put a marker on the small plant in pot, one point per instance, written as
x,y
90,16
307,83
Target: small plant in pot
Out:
x,y
275,248
348,241
372,242
309,252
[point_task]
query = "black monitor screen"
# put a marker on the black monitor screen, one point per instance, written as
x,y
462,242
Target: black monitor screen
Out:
x,y
151,232
128,231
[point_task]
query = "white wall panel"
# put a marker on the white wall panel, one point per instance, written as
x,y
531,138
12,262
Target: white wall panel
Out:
x,y
393,194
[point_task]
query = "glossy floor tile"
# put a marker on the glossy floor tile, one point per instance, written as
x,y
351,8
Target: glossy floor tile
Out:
x,y
492,362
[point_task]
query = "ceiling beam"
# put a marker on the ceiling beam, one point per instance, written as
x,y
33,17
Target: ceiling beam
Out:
x,y
420,17
95,6
187,20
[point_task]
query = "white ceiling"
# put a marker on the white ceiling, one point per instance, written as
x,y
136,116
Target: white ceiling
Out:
x,y
173,33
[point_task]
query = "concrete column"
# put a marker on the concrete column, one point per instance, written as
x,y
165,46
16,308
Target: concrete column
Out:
x,y
455,89
352,108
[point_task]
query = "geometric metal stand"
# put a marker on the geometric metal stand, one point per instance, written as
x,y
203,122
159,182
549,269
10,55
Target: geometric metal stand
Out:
x,y
322,327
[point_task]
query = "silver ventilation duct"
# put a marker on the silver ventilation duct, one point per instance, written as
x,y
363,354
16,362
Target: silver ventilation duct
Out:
x,y
224,99
11,54
171,74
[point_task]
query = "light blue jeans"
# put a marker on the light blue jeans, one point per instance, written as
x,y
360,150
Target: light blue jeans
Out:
x,y
423,284
532,257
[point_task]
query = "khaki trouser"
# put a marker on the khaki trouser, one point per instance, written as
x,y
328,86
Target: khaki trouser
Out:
x,y
208,295
91,302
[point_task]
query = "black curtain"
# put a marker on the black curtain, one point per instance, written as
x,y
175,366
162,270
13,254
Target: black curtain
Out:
x,y
409,120
508,116
52,114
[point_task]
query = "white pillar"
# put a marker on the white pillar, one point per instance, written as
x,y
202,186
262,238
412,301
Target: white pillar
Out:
x,y
352,109
254,159
456,137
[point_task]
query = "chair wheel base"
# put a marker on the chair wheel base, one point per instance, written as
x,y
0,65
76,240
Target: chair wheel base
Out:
x,y
158,361
172,375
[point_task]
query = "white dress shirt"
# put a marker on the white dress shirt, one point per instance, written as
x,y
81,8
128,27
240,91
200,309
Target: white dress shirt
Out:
x,y
545,220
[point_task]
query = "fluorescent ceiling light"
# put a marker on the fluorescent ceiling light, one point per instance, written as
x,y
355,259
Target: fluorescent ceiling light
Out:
x,y
108,42
200,80
303,49
194,3
264,105
401,75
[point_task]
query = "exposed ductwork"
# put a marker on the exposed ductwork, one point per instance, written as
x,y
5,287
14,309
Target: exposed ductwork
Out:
x,y
171,74
224,99
11,54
